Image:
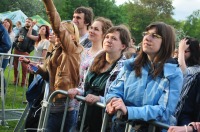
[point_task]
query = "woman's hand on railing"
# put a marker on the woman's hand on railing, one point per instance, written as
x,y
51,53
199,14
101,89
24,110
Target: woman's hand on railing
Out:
x,y
91,99
24,60
196,125
72,93
180,129
116,104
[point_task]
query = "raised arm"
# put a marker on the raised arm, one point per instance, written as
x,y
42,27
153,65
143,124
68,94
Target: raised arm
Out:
x,y
60,31
53,16
29,34
181,54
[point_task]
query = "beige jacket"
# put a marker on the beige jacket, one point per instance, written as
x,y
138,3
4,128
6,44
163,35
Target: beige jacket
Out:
x,y
63,65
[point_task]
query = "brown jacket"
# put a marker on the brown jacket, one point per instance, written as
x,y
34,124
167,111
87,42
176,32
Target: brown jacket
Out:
x,y
63,65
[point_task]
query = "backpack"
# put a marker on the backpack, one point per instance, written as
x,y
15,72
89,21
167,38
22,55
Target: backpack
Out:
x,y
34,96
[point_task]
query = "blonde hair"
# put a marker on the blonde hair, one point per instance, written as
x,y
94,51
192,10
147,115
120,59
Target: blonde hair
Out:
x,y
72,29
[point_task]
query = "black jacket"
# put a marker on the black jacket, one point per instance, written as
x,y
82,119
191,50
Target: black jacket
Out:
x,y
28,44
191,108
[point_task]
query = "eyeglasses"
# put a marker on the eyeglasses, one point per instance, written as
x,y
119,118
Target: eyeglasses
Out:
x,y
153,35
70,22
187,51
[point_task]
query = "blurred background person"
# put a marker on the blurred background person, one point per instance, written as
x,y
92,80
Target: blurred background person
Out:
x,y
9,27
41,45
23,45
5,43
17,27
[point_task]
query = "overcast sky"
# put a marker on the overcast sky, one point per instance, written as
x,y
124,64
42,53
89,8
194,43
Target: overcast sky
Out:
x,y
183,8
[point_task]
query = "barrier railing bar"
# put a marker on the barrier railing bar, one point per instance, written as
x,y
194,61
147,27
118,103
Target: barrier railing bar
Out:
x,y
44,109
64,115
2,97
83,117
155,123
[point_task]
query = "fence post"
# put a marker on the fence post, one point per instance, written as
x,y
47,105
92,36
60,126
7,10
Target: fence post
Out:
x,y
3,122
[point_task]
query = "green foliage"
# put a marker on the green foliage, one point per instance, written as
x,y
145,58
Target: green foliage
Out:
x,y
29,7
14,98
140,13
192,25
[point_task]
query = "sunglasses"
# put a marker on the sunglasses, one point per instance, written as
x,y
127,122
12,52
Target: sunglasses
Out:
x,y
70,22
153,35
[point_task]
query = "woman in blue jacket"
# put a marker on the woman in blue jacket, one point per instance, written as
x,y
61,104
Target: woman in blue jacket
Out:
x,y
148,87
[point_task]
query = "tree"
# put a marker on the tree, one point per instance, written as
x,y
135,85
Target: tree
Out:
x,y
140,13
30,8
192,25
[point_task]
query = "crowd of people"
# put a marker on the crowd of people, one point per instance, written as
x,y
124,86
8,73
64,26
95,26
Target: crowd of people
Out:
x,y
99,60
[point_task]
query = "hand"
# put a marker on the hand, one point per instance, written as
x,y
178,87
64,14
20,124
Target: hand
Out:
x,y
183,45
24,59
72,93
33,23
196,126
91,99
20,38
118,104
179,129
110,109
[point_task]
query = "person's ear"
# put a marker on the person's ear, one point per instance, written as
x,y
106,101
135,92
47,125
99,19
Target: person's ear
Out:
x,y
73,37
123,46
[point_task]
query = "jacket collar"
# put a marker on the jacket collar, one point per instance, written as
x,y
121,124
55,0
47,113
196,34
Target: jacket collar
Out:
x,y
170,66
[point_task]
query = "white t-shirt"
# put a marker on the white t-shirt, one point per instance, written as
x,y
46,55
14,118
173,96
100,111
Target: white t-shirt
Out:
x,y
42,45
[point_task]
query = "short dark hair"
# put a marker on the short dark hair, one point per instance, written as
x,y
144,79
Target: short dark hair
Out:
x,y
88,14
29,18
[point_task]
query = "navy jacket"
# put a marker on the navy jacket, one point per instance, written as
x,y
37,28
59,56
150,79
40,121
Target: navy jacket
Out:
x,y
5,42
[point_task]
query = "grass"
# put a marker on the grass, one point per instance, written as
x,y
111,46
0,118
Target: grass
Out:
x,y
15,95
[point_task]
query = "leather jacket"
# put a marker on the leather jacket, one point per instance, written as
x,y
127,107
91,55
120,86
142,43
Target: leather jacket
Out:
x,y
63,63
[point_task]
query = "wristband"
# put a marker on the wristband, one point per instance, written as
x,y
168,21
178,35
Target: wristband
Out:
x,y
186,130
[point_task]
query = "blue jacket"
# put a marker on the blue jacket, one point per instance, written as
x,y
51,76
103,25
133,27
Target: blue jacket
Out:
x,y
146,98
5,42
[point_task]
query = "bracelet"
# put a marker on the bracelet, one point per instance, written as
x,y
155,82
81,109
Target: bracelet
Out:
x,y
186,130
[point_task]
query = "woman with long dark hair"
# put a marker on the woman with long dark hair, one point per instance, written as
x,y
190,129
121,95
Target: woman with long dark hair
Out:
x,y
146,88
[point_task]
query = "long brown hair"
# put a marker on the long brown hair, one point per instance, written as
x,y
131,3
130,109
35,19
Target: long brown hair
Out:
x,y
11,25
166,50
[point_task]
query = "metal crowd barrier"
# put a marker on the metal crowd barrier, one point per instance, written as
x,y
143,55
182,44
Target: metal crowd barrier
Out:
x,y
13,113
21,123
47,105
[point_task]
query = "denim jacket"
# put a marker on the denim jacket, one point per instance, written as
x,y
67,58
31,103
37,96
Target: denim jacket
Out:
x,y
5,42
146,98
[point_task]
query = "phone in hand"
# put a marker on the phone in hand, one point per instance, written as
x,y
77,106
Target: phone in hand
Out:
x,y
34,68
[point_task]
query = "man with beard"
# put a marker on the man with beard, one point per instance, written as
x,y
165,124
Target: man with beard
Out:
x,y
23,46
